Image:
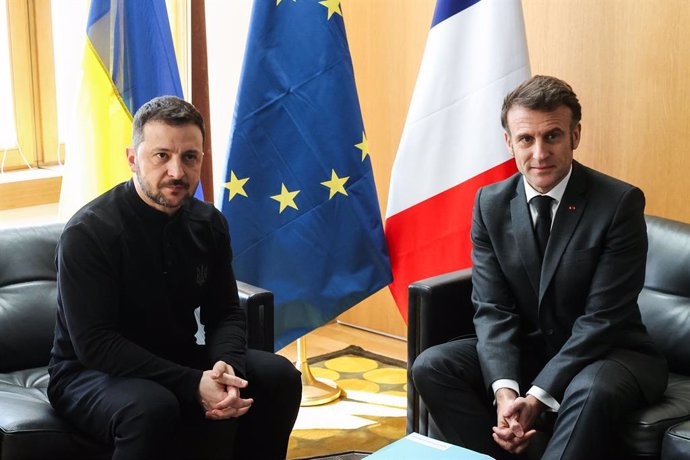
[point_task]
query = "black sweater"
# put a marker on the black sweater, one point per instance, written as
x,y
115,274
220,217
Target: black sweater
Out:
x,y
129,279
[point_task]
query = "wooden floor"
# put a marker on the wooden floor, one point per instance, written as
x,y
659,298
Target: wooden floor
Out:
x,y
335,336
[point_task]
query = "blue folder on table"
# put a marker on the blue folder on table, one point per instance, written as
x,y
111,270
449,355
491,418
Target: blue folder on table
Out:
x,y
415,446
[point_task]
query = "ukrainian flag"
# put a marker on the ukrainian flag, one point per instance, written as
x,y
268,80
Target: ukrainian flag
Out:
x,y
129,58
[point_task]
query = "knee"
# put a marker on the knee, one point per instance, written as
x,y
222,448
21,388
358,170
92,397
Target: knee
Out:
x,y
598,397
593,389
425,366
419,367
148,424
290,376
453,363
150,406
273,376
284,372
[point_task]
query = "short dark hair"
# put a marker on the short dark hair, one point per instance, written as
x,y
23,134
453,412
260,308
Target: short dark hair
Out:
x,y
170,110
542,93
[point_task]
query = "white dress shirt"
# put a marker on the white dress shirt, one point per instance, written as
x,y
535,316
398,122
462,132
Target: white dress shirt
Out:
x,y
557,194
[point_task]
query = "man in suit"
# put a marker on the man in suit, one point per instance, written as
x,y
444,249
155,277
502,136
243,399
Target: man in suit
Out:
x,y
559,255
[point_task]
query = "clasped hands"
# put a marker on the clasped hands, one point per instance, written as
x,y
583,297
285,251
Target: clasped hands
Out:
x,y
516,417
219,393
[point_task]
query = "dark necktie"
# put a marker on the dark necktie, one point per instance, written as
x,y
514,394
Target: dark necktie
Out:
x,y
542,227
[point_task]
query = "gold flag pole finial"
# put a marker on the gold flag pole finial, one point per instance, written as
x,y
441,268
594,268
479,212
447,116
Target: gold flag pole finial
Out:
x,y
314,392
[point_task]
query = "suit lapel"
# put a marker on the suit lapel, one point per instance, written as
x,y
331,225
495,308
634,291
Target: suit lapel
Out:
x,y
524,235
565,221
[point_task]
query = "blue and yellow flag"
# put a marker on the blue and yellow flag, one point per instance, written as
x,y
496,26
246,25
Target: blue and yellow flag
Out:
x,y
299,196
128,59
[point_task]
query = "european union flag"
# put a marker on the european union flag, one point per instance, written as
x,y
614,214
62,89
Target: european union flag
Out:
x,y
299,196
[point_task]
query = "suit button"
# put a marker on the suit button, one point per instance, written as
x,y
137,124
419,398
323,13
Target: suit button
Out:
x,y
548,332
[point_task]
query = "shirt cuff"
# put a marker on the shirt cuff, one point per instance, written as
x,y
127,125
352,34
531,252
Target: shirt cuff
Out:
x,y
544,398
505,383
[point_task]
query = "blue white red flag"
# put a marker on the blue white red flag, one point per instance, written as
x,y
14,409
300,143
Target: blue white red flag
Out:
x,y
452,142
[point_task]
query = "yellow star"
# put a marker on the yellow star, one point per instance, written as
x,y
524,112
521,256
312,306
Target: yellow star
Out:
x,y
336,184
363,146
286,198
236,186
333,7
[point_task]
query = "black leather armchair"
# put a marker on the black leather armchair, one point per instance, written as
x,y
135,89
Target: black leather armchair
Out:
x,y
440,309
29,428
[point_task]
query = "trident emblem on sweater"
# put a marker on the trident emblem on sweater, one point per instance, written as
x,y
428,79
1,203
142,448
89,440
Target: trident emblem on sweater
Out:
x,y
201,274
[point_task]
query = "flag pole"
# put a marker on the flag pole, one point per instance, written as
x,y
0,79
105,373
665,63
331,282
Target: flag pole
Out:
x,y
200,96
314,392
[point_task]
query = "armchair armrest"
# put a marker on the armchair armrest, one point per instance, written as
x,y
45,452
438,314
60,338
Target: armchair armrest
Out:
x,y
439,309
258,303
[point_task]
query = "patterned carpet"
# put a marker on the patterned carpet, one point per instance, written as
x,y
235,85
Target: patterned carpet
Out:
x,y
370,414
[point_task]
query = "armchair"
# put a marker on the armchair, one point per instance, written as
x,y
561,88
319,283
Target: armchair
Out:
x,y
440,309
29,428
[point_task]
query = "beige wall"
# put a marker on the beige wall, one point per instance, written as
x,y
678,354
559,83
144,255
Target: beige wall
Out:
x,y
387,39
628,60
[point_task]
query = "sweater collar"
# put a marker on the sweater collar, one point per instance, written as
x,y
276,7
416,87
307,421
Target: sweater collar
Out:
x,y
148,213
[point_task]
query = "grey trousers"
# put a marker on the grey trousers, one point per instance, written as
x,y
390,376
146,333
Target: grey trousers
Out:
x,y
450,382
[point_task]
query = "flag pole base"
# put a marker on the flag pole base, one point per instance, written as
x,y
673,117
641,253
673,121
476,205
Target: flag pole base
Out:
x,y
314,392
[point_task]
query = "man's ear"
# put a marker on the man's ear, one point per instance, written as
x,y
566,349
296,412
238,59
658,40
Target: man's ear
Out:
x,y
575,136
131,158
509,143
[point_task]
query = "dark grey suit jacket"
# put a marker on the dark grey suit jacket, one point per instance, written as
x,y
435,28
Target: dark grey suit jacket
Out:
x,y
540,323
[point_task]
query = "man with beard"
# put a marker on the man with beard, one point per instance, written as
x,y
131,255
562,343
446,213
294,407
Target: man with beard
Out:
x,y
133,265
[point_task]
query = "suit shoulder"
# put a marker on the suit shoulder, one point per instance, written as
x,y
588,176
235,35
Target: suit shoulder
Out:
x,y
597,180
501,190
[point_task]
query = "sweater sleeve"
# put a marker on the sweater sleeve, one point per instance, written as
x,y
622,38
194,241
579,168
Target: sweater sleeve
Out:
x,y
223,318
88,300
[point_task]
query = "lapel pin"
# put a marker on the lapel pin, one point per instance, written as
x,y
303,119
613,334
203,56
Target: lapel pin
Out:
x,y
571,207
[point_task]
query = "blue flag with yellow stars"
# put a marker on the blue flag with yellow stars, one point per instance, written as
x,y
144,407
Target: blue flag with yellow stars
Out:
x,y
299,195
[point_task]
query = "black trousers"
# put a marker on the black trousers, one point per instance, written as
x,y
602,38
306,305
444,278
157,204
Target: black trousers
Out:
x,y
142,419
449,380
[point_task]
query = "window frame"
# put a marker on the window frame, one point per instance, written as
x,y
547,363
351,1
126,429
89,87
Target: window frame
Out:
x,y
33,84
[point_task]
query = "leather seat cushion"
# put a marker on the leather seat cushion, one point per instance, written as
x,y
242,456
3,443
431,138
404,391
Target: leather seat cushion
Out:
x,y
30,429
677,442
641,433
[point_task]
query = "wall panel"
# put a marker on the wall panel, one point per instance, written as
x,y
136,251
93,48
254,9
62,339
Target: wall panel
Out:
x,y
629,63
628,60
387,39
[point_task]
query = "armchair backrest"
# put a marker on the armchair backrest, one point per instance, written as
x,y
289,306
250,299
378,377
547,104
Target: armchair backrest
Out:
x,y
665,299
28,299
28,295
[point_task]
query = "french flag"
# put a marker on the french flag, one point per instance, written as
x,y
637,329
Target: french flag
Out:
x,y
452,142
